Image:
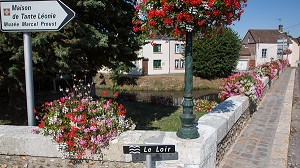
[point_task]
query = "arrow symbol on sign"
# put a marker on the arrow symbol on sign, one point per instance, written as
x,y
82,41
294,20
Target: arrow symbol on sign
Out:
x,y
70,14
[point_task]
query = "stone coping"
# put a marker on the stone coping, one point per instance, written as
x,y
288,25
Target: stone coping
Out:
x,y
200,152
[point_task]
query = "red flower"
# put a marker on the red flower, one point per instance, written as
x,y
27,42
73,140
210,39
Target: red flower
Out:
x,y
135,29
71,134
120,107
216,12
122,113
200,23
151,23
152,43
82,122
222,98
62,99
168,22
237,4
69,115
151,14
104,93
70,143
137,7
176,31
116,94
34,110
41,125
48,103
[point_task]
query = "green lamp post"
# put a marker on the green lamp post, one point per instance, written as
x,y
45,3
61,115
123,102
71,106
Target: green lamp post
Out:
x,y
188,130
183,18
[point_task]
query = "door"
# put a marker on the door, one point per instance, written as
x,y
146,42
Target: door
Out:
x,y
145,66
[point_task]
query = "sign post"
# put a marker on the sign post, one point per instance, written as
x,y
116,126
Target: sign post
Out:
x,y
33,16
29,78
148,150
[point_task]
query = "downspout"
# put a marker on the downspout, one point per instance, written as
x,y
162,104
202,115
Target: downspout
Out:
x,y
169,56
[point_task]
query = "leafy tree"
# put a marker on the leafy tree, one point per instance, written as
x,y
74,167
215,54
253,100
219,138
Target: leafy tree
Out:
x,y
99,35
216,56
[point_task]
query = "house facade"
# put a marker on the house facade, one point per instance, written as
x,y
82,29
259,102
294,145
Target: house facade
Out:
x,y
296,52
160,56
262,45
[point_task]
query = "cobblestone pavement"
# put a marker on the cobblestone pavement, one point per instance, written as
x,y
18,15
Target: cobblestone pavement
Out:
x,y
42,162
294,145
253,149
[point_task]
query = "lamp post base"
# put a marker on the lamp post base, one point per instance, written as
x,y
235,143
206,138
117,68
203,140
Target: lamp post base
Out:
x,y
188,133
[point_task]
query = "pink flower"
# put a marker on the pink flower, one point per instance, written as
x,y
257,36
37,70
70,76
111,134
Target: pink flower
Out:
x,y
93,128
86,130
106,106
82,142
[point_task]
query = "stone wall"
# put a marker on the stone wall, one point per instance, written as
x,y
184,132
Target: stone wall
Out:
x,y
218,131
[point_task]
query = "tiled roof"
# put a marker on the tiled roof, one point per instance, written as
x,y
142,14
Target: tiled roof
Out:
x,y
267,35
244,51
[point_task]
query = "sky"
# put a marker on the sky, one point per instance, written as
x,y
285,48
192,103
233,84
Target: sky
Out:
x,y
268,14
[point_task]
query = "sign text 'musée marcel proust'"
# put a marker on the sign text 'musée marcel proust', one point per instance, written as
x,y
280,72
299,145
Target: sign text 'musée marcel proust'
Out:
x,y
28,16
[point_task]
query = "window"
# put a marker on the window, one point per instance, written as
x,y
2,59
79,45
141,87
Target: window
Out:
x,y
179,48
179,63
279,52
157,48
264,53
156,64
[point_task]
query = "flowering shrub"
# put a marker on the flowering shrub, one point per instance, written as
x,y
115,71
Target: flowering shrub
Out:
x,y
264,70
204,105
175,18
284,63
242,84
276,65
81,124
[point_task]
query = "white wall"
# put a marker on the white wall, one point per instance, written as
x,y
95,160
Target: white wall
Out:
x,y
271,53
174,56
295,54
147,52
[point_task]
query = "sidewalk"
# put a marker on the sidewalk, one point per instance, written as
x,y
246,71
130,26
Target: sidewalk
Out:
x,y
264,142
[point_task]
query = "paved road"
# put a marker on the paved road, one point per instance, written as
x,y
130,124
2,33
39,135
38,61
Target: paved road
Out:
x,y
257,146
294,146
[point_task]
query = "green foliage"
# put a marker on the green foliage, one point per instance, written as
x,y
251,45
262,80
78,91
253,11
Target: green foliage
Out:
x,y
99,36
89,42
217,56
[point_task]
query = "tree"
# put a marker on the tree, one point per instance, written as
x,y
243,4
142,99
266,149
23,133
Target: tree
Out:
x,y
100,35
216,56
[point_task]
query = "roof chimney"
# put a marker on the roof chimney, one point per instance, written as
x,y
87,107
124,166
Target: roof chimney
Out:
x,y
280,28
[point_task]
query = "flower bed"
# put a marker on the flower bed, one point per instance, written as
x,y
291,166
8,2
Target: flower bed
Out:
x,y
249,83
203,105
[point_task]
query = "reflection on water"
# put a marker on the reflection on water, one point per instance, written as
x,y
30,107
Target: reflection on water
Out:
x,y
209,94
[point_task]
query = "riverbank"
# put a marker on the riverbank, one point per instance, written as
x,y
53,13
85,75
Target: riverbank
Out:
x,y
156,83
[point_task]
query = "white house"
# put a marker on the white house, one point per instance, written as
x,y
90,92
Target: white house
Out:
x,y
295,52
160,56
261,45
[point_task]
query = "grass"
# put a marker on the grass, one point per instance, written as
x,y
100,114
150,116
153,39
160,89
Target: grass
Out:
x,y
146,116
153,117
